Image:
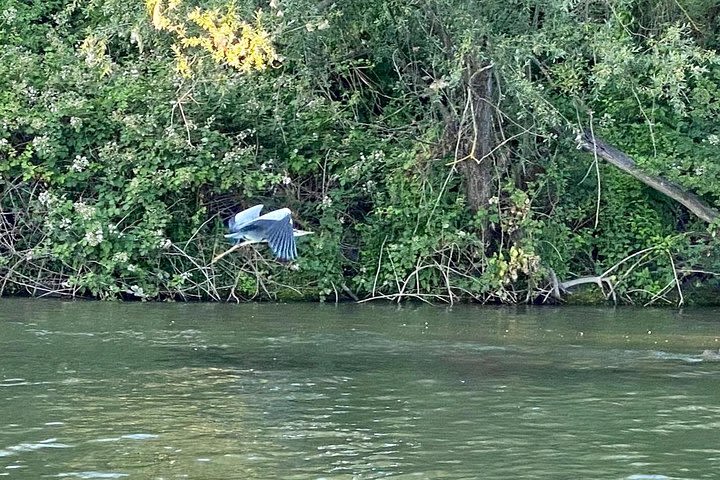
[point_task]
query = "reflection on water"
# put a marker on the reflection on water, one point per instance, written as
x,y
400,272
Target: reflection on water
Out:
x,y
96,390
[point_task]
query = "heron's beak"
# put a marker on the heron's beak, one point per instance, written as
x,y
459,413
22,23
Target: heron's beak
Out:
x,y
300,233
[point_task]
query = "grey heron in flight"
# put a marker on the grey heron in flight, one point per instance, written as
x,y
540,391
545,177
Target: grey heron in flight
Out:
x,y
275,228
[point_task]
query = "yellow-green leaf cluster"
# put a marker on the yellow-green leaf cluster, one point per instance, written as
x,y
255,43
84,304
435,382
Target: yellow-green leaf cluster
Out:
x,y
228,39
94,50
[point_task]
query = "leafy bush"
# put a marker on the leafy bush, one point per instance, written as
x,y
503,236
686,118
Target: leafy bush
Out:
x,y
131,131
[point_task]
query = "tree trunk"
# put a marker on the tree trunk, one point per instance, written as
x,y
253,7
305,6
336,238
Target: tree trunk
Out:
x,y
475,137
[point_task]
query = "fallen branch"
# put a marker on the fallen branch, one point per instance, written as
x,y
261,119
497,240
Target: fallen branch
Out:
x,y
349,292
599,280
592,143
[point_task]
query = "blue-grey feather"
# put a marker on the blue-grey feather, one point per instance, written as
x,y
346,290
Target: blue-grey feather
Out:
x,y
248,215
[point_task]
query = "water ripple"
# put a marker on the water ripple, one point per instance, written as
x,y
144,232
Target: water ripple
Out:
x,y
30,447
198,392
91,475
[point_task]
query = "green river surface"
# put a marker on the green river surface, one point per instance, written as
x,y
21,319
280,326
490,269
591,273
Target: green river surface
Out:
x,y
304,391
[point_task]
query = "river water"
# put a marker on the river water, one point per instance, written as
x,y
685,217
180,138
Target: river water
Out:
x,y
265,391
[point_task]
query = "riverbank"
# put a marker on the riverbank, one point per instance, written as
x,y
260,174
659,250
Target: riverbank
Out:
x,y
453,152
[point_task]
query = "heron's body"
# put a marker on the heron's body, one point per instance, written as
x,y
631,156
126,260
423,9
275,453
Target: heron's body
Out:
x,y
275,228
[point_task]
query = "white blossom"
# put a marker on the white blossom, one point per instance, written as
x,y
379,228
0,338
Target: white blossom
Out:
x,y
9,14
439,84
45,198
267,165
31,92
121,257
137,291
41,144
368,186
94,237
85,211
79,164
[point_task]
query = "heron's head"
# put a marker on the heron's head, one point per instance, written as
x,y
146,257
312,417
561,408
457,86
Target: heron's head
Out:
x,y
300,233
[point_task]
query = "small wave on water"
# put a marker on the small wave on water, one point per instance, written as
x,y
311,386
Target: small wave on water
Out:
x,y
90,475
29,447
687,358
642,476
130,436
13,382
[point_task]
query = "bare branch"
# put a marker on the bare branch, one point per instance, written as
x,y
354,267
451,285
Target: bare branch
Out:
x,y
592,143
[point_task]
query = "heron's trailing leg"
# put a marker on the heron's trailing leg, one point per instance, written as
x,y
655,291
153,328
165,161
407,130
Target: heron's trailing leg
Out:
x,y
232,249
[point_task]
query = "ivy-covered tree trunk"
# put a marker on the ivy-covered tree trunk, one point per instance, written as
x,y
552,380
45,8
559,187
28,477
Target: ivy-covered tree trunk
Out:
x,y
475,135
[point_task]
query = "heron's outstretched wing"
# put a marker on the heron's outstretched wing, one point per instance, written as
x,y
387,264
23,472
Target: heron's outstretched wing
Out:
x,y
278,229
238,220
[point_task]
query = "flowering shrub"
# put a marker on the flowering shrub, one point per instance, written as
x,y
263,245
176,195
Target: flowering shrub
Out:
x,y
131,131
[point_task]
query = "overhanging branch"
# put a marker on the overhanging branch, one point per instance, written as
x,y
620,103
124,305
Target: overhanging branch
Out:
x,y
594,144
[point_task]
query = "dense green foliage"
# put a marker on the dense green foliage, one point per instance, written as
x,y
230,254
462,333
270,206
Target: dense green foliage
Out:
x,y
117,172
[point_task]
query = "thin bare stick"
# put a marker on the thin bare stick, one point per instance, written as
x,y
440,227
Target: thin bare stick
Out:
x,y
377,272
661,294
677,280
337,297
392,298
497,147
597,172
211,290
418,269
187,242
647,119
601,279
446,273
460,126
